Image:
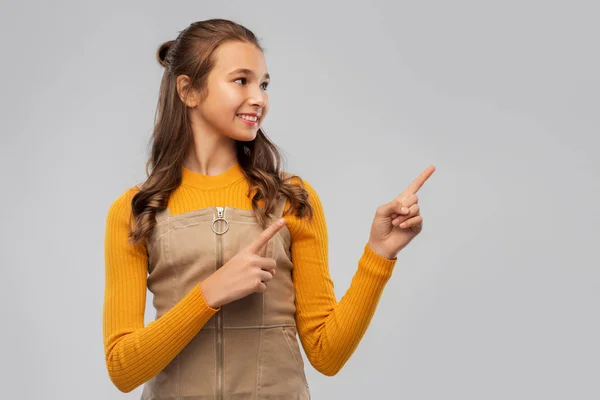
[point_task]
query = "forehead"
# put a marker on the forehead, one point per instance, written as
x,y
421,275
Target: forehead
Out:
x,y
238,55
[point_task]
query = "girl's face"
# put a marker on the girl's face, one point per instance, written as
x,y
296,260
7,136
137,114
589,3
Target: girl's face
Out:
x,y
236,101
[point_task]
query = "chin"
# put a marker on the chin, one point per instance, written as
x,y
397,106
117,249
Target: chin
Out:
x,y
246,137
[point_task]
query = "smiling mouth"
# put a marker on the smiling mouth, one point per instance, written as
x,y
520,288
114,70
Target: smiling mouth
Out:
x,y
251,120
246,117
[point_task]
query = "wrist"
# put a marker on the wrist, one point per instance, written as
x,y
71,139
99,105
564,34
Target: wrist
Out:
x,y
208,293
375,248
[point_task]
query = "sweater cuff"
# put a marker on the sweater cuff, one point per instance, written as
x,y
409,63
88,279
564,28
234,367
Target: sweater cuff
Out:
x,y
202,299
375,265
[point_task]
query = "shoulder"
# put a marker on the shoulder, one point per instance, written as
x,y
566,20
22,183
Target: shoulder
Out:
x,y
307,194
305,226
301,182
296,179
121,206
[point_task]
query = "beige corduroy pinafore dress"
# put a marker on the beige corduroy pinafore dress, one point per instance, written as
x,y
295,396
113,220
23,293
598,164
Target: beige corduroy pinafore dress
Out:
x,y
247,350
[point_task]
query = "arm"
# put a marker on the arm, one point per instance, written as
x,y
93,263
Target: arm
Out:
x,y
330,331
135,353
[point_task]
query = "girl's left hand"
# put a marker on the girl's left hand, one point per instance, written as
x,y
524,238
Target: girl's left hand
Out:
x,y
399,221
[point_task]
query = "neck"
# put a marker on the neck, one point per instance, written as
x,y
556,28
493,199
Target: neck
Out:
x,y
211,153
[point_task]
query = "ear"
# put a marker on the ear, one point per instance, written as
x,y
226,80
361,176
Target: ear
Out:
x,y
186,92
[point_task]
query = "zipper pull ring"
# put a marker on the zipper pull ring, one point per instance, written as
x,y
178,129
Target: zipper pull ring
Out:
x,y
220,217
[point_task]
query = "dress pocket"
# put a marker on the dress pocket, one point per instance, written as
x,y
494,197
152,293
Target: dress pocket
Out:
x,y
281,373
289,335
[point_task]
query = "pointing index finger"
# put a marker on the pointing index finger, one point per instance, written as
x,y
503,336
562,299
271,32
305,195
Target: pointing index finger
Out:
x,y
421,179
265,236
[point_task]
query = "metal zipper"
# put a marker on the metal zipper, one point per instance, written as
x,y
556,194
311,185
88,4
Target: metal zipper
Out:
x,y
219,331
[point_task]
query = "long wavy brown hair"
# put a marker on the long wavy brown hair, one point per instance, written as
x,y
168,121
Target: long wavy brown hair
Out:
x,y
191,54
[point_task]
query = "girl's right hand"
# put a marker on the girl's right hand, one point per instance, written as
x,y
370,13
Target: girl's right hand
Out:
x,y
244,274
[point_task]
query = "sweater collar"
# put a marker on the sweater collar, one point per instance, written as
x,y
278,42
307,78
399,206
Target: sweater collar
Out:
x,y
195,179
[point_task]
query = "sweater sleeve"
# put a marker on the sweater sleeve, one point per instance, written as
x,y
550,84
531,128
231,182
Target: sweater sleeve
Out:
x,y
330,331
135,353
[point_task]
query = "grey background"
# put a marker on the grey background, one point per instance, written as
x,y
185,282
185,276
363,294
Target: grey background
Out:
x,y
496,299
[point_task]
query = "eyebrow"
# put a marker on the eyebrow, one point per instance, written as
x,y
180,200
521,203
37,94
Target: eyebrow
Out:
x,y
248,72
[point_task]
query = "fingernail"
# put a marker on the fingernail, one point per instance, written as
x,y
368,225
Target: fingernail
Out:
x,y
404,210
281,221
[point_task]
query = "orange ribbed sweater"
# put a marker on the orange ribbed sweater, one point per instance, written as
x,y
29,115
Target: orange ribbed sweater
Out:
x,y
329,330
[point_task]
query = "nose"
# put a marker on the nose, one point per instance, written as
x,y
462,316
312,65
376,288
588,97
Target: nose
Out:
x,y
257,97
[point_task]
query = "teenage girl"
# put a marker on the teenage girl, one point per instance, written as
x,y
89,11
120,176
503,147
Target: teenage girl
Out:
x,y
233,249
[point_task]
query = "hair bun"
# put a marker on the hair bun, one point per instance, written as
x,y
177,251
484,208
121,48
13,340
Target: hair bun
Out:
x,y
163,50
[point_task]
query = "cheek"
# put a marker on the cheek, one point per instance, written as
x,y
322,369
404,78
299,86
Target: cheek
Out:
x,y
226,97
233,95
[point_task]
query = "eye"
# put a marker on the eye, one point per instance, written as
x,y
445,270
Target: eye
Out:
x,y
241,79
264,85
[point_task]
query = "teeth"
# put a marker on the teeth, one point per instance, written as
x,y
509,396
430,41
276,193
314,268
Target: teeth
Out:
x,y
248,118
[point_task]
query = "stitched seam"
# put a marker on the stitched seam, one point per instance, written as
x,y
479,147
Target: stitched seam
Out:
x,y
259,364
258,326
215,370
290,347
171,229
207,212
260,331
175,279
